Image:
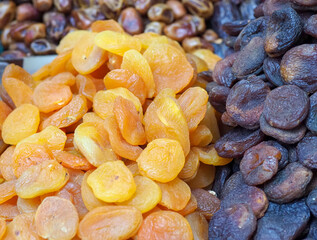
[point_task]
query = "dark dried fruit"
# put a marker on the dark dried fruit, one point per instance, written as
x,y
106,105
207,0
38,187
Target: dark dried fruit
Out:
x,y
237,223
218,96
283,30
311,202
234,143
312,234
311,121
55,25
271,68
7,13
250,59
259,164
222,174
42,5
161,12
247,8
131,21
236,191
34,32
201,8
42,47
245,102
156,27
284,153
285,136
299,67
27,12
286,107
18,30
180,29
307,151
288,184
283,221
193,43
207,203
111,8
210,35
226,119
310,27
177,7
235,27
270,6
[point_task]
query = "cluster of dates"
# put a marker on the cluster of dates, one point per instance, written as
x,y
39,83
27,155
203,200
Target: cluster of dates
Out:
x,y
266,94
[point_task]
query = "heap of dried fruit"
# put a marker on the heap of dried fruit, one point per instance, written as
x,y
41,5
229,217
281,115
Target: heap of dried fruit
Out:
x,y
111,140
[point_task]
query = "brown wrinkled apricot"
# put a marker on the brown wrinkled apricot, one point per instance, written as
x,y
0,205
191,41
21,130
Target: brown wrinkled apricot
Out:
x,y
198,224
190,207
204,177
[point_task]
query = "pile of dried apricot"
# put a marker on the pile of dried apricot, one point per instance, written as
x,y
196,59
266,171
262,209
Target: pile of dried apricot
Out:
x,y
111,140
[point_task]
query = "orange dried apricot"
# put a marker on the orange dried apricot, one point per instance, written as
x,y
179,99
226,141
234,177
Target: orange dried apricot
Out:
x,y
69,114
209,155
73,159
193,103
21,123
42,73
169,66
3,227
98,122
18,91
15,71
129,121
5,110
198,224
190,207
117,43
200,64
47,176
136,63
7,190
6,160
175,194
201,136
70,40
86,86
210,120
110,222
165,225
49,96
191,166
208,56
204,177
28,205
56,218
86,56
9,209
165,119
112,182
65,78
114,61
162,160
147,195
103,25
58,65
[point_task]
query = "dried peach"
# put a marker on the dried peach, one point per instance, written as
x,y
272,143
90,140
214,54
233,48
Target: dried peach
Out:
x,y
73,159
193,103
110,222
165,225
117,43
162,160
22,122
7,190
208,56
86,86
119,145
198,224
103,25
49,96
5,110
47,176
6,161
148,194
136,63
201,136
56,218
129,121
3,227
191,166
209,155
175,194
169,66
165,119
210,121
28,205
8,209
112,182
70,40
18,91
86,56
69,114
94,146
204,177
15,71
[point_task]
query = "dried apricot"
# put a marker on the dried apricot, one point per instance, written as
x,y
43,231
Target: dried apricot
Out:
x,y
165,225
3,227
70,40
129,121
103,25
6,160
165,119
147,195
198,224
112,182
209,155
28,205
20,123
47,176
5,110
208,56
73,159
7,190
56,218
190,207
18,91
86,86
210,120
201,136
8,209
117,43
110,222
169,66
191,166
162,160
15,71
86,56
136,63
175,194
204,177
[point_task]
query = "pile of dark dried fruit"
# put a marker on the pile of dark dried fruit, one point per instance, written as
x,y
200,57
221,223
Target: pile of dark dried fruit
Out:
x,y
266,92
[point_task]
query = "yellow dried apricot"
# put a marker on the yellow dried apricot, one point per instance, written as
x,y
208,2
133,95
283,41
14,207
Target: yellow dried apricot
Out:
x,y
58,65
150,37
94,146
190,207
165,225
57,219
69,114
210,121
175,194
86,56
114,61
42,73
70,40
133,167
208,56
117,43
112,182
198,224
165,119
110,222
148,194
136,63
47,176
5,110
209,155
18,91
129,121
73,159
3,227
15,71
21,123
9,209
6,160
28,205
193,103
7,190
204,177
201,136
162,160
103,25
191,166
86,86
169,66
98,122
200,64
49,96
